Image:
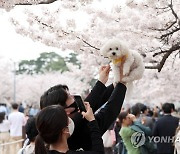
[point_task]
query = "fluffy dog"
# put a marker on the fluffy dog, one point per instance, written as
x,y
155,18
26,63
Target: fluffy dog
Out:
x,y
133,67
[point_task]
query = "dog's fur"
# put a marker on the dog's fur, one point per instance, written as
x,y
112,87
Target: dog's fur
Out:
x,y
133,67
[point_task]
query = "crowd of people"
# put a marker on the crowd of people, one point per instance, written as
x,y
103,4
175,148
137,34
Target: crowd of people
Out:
x,y
59,127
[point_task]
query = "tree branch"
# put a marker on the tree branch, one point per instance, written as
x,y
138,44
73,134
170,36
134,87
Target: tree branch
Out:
x,y
164,29
158,53
173,12
37,3
166,55
90,45
170,33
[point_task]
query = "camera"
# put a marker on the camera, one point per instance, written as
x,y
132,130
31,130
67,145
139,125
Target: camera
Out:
x,y
79,103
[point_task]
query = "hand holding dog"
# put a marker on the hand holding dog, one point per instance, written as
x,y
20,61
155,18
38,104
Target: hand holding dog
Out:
x,y
121,70
104,73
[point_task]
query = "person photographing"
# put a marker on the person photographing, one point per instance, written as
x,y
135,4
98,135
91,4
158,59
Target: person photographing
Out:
x,y
55,128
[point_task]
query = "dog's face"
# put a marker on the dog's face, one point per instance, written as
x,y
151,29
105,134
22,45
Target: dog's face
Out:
x,y
114,49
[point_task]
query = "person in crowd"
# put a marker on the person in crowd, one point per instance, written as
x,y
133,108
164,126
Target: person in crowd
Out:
x,y
3,108
146,120
55,133
17,121
4,131
119,148
100,94
109,139
129,126
4,128
156,111
21,108
33,111
173,111
135,110
153,115
177,141
31,132
166,127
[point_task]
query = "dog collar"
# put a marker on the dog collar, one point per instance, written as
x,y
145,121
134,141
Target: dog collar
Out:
x,y
116,61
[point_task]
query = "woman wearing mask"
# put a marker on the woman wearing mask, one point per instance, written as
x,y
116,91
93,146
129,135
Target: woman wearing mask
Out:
x,y
55,128
100,94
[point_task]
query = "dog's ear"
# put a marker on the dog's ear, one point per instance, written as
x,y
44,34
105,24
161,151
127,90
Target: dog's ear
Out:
x,y
103,51
124,49
105,48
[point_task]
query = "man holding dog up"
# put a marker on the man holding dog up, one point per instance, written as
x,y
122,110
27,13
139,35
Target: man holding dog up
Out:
x,y
114,96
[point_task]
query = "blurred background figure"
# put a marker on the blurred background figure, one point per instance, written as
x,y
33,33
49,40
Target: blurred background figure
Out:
x,y
3,108
166,127
31,133
21,108
17,121
177,141
4,132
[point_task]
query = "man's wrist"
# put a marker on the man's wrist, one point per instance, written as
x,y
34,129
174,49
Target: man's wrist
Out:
x,y
115,83
102,81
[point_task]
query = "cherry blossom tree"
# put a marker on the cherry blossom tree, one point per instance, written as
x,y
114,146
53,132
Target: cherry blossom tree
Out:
x,y
57,25
29,88
150,27
6,82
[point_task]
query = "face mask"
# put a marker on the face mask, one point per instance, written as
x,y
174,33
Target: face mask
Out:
x,y
73,105
71,126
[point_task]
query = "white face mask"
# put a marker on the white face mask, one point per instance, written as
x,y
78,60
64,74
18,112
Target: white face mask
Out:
x,y
71,126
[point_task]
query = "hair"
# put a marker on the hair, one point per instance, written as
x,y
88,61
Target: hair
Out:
x,y
143,108
166,108
122,116
54,96
172,106
15,106
31,130
2,116
135,110
150,113
49,123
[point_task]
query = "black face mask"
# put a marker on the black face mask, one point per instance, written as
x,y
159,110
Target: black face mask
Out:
x,y
73,105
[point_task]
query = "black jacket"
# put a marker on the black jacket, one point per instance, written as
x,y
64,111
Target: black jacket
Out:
x,y
165,127
97,143
105,117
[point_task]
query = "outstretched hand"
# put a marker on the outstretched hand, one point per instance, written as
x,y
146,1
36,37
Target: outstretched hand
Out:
x,y
104,73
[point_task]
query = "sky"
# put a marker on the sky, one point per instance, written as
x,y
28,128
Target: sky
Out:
x,y
16,47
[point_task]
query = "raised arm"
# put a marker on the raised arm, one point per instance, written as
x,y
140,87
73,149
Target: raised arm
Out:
x,y
96,94
107,115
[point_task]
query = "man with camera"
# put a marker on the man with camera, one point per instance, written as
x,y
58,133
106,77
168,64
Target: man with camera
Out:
x,y
114,96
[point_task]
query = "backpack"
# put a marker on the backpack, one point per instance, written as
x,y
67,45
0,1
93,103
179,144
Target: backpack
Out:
x,y
148,147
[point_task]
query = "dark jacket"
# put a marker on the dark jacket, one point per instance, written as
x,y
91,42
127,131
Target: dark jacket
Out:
x,y
105,117
165,127
97,143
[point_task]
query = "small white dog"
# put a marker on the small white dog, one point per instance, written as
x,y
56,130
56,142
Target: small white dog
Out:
x,y
133,67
